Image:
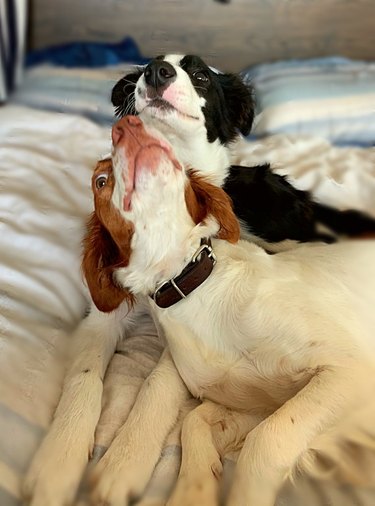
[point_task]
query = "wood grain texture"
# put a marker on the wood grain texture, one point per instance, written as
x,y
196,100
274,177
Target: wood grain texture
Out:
x,y
230,36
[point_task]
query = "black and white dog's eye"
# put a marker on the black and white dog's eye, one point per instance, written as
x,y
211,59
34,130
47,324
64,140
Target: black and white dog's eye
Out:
x,y
201,76
101,181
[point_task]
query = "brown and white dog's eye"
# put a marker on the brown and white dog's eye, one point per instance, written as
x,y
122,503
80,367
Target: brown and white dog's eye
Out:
x,y
101,180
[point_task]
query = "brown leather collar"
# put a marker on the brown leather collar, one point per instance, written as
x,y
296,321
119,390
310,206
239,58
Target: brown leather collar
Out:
x,y
193,275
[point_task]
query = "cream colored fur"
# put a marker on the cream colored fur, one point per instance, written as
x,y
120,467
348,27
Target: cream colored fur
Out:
x,y
280,347
287,340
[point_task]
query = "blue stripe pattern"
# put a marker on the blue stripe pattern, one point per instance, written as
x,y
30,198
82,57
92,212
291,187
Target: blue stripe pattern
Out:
x,y
331,97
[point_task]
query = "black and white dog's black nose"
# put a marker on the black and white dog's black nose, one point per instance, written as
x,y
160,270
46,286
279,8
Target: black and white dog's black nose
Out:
x,y
159,74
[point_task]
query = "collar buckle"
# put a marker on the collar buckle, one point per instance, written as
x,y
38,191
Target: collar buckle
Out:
x,y
210,253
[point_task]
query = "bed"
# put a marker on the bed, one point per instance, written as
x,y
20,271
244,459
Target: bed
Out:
x,y
52,131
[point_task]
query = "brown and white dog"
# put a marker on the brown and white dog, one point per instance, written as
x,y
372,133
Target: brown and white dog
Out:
x,y
280,347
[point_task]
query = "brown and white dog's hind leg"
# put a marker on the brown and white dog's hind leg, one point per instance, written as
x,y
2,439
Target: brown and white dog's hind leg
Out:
x,y
56,469
273,448
208,433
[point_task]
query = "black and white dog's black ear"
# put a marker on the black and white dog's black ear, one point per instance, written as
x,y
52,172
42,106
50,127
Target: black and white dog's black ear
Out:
x,y
122,96
240,102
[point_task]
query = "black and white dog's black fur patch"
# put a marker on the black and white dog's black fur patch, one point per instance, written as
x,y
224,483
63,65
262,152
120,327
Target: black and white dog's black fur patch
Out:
x,y
201,112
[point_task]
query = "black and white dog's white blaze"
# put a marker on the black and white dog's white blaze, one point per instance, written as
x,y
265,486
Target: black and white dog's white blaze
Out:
x,y
200,112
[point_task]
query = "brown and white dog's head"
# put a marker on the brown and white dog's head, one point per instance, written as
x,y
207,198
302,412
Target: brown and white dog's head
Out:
x,y
150,214
200,111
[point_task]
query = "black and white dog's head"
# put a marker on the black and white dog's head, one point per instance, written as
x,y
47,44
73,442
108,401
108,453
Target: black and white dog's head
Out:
x,y
199,111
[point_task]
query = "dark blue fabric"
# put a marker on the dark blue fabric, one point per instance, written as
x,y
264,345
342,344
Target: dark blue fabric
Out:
x,y
88,54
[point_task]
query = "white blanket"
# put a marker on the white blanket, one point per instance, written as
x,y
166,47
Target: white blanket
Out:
x,y
46,160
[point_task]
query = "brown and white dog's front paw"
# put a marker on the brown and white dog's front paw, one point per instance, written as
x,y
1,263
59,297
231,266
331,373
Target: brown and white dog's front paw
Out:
x,y
197,488
247,490
151,502
194,492
118,479
55,473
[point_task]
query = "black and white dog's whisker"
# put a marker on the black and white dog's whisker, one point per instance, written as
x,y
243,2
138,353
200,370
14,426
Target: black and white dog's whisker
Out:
x,y
127,107
201,112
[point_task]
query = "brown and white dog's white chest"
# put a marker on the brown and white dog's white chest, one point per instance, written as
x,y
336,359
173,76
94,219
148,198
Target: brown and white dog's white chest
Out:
x,y
250,338
255,381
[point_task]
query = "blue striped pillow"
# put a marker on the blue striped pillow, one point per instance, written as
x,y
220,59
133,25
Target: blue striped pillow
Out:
x,y
330,97
83,91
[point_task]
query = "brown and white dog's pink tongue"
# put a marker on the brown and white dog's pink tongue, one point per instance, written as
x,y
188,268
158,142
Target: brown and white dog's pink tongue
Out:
x,y
143,152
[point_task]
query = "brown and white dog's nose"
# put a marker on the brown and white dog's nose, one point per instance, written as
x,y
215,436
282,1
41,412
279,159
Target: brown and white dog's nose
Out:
x,y
129,132
126,123
159,74
143,153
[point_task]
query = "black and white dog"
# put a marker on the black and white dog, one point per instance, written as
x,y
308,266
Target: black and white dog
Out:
x,y
201,112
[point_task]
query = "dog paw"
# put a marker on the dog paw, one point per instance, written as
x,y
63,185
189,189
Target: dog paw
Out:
x,y
151,502
115,481
194,490
54,475
250,491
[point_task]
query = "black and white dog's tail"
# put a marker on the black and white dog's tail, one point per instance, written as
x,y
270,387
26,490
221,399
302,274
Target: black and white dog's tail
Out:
x,y
348,223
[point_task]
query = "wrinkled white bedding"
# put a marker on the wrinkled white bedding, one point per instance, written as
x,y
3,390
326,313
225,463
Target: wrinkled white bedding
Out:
x,y
46,160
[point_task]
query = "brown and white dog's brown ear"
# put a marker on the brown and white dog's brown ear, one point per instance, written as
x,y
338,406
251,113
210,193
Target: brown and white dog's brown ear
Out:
x,y
101,257
204,199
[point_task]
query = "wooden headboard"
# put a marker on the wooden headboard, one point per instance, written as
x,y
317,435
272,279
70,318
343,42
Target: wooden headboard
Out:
x,y
230,36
